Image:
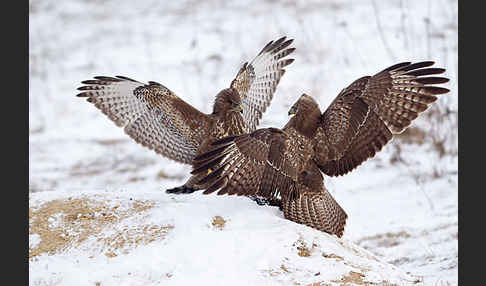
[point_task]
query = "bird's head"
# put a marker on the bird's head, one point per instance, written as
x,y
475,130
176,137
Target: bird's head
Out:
x,y
304,104
227,100
306,116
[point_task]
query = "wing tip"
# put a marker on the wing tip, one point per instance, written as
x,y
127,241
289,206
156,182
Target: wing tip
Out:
x,y
410,67
431,80
82,94
125,78
277,45
287,62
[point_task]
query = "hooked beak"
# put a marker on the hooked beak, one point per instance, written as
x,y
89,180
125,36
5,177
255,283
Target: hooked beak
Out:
x,y
238,108
292,110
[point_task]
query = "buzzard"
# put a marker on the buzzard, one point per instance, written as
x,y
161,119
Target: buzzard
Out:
x,y
285,166
155,117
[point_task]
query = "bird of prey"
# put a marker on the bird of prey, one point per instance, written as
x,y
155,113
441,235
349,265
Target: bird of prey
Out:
x,y
158,119
286,165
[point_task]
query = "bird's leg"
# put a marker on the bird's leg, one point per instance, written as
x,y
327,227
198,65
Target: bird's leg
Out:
x,y
259,201
181,190
189,187
276,203
270,202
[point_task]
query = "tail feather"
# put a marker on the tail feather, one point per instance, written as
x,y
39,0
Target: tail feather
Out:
x,y
318,210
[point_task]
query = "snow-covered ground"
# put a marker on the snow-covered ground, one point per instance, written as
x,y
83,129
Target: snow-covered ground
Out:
x,y
402,204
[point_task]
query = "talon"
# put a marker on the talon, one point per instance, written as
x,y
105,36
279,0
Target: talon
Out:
x,y
180,190
269,202
209,172
259,201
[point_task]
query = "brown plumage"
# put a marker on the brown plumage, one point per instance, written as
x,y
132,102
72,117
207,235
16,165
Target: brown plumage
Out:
x,y
155,117
286,164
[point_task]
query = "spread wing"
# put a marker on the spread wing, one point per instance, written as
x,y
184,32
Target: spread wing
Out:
x,y
363,117
150,114
266,163
254,164
257,80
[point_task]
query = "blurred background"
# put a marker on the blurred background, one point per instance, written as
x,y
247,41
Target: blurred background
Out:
x,y
195,48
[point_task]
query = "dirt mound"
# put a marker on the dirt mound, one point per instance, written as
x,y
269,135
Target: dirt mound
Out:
x,y
63,224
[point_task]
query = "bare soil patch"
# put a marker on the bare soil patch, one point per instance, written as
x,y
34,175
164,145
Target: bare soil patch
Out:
x,y
66,223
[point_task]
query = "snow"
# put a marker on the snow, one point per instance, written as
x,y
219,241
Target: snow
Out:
x,y
402,214
256,245
55,220
34,240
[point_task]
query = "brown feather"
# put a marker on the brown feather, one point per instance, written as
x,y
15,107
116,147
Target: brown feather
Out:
x,y
286,164
257,80
396,96
156,118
